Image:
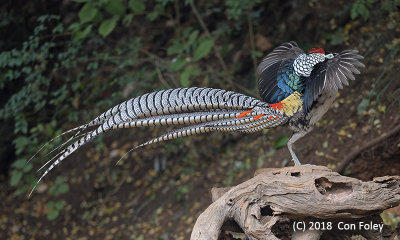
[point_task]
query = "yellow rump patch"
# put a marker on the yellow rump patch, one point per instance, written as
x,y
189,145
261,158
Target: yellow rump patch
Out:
x,y
292,104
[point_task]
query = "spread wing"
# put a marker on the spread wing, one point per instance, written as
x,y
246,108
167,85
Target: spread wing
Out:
x,y
270,65
331,75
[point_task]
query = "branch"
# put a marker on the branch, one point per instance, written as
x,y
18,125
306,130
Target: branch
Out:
x,y
274,198
205,29
252,43
358,150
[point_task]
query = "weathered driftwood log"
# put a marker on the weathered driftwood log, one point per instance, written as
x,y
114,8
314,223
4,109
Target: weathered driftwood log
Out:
x,y
300,203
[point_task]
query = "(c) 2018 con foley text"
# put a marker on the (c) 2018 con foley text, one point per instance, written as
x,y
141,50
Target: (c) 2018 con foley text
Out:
x,y
327,225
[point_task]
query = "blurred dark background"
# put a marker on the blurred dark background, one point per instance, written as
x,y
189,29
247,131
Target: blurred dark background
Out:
x,y
63,63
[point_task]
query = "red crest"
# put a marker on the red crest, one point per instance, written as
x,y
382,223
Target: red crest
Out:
x,y
317,50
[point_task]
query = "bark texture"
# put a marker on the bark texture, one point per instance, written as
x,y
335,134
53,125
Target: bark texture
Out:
x,y
268,205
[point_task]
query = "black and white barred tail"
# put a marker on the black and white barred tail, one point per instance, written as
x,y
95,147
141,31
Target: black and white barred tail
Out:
x,y
201,109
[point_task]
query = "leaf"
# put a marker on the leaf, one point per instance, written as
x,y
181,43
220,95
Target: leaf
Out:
x,y
353,11
141,237
21,125
21,189
98,18
27,168
281,142
184,79
58,29
59,180
186,74
192,37
182,191
63,188
364,12
260,162
20,163
137,6
127,19
363,106
115,7
152,16
20,144
74,27
158,9
80,1
177,64
59,205
15,177
53,190
52,215
347,172
107,26
188,2
30,178
256,54
87,12
50,205
83,33
203,49
175,48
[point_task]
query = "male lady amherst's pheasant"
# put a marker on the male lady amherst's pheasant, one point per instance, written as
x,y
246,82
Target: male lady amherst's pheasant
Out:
x,y
296,88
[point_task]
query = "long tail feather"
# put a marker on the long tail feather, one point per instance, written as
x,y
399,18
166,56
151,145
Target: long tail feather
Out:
x,y
51,159
180,119
72,138
82,127
203,109
273,123
218,126
97,121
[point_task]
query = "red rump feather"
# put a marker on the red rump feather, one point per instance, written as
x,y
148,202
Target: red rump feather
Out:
x,y
317,50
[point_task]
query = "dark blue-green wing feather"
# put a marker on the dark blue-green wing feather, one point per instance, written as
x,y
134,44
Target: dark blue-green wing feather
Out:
x,y
273,65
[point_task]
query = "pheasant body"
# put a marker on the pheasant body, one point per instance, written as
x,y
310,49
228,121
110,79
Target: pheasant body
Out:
x,y
296,89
